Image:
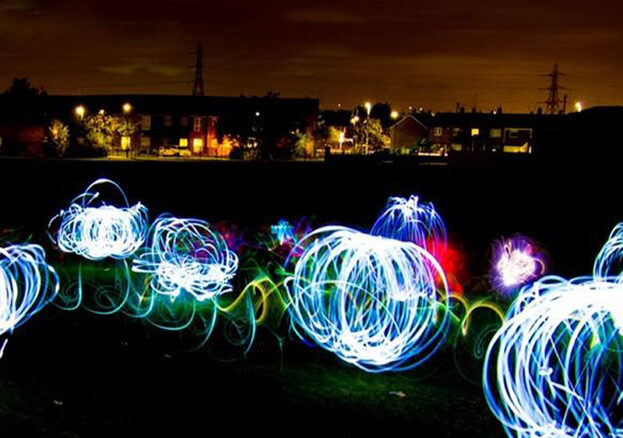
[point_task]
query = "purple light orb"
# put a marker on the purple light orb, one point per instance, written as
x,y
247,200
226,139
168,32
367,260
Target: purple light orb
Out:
x,y
516,261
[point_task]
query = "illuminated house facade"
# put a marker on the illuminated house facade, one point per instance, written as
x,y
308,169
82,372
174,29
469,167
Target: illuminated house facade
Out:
x,y
470,132
169,125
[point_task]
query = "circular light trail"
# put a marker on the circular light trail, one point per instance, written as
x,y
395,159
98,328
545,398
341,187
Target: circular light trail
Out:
x,y
372,301
95,230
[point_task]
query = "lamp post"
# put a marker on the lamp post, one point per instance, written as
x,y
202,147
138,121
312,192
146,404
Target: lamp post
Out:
x,y
368,106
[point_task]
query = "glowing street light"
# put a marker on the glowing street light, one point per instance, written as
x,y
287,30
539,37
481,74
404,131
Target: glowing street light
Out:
x,y
127,108
102,112
354,120
368,106
80,111
394,115
578,106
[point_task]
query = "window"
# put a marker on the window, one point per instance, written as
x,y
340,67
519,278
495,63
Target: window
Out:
x,y
168,121
197,145
184,121
145,142
438,131
475,132
145,122
197,124
496,133
183,142
126,142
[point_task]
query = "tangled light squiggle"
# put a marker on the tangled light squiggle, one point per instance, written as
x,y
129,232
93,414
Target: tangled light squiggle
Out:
x,y
98,231
554,368
186,255
372,301
410,220
27,284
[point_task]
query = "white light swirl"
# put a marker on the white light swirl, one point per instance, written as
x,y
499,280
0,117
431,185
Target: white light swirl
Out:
x,y
27,283
95,230
187,255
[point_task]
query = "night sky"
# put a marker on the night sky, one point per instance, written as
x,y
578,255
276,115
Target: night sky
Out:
x,y
428,53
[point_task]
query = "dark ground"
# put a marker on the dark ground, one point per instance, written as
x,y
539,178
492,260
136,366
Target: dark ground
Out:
x,y
73,374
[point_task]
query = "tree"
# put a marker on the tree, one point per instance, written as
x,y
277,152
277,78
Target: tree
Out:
x,y
57,137
303,146
371,132
99,130
21,87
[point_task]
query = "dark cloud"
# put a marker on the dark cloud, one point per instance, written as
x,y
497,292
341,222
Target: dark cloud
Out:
x,y
419,52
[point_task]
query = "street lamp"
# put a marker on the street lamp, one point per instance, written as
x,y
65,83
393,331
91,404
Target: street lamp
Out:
x,y
80,111
127,108
394,115
368,106
578,107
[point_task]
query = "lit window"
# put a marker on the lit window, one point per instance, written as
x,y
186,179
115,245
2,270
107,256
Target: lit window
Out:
x,y
438,132
197,145
145,142
475,132
496,133
183,142
146,122
197,124
126,142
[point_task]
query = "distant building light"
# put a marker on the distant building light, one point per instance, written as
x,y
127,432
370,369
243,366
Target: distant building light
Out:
x,y
102,112
80,111
475,132
126,142
257,114
127,107
578,106
394,115
197,145
183,142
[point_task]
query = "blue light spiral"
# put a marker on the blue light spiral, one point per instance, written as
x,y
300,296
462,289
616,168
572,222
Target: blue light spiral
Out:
x,y
95,230
372,301
410,220
186,255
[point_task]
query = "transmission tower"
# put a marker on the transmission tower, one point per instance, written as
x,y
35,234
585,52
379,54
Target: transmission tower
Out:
x,y
198,85
554,104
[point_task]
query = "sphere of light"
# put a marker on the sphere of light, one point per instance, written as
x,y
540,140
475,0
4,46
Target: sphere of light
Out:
x,y
186,255
94,230
410,220
372,301
27,283
554,368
